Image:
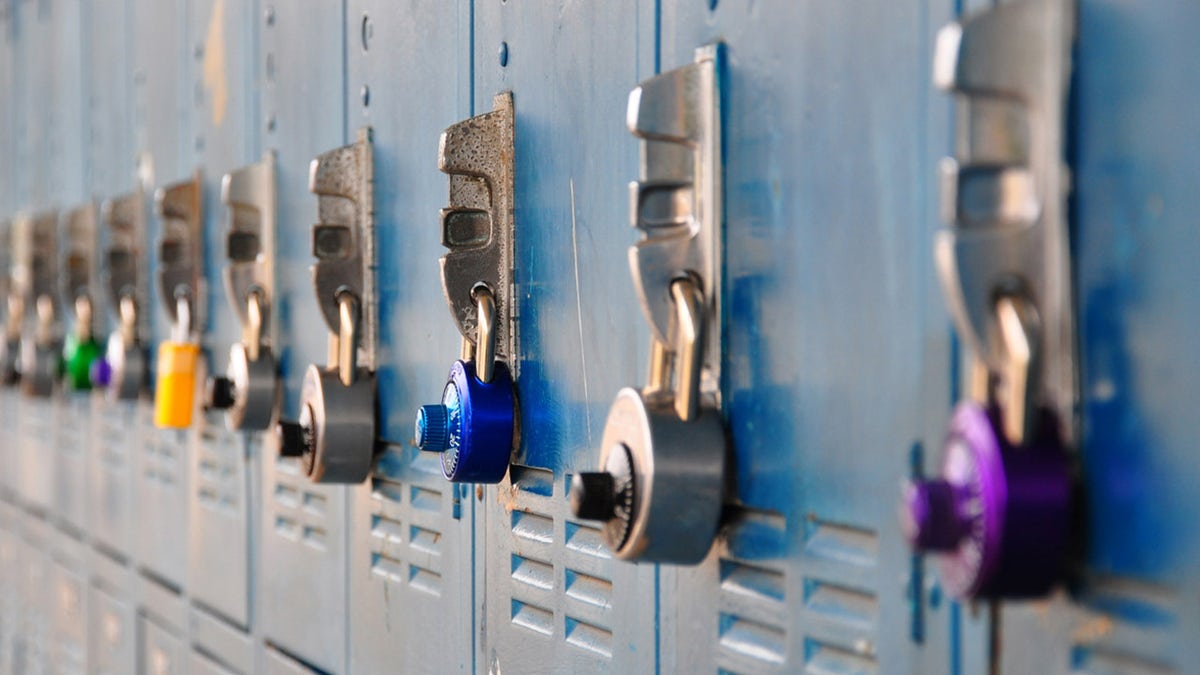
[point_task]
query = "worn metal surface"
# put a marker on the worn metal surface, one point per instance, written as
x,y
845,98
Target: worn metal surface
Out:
x,y
838,362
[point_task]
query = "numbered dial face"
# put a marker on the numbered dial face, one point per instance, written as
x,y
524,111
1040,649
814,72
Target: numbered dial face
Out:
x,y
452,403
974,467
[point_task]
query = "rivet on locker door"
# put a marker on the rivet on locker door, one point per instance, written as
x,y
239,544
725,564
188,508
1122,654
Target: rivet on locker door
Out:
x,y
124,370
473,427
180,278
81,297
664,456
248,391
334,435
1000,516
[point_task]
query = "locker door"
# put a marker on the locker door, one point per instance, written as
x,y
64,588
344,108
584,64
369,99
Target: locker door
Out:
x,y
303,537
410,531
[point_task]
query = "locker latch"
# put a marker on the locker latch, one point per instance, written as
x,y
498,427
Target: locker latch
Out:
x,y
80,297
181,289
35,280
472,428
334,436
124,370
249,389
1000,514
663,458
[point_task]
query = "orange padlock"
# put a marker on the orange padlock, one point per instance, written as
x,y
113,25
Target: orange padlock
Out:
x,y
175,391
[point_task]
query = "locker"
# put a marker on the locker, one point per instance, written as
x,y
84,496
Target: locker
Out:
x,y
834,365
73,447
116,443
37,420
298,521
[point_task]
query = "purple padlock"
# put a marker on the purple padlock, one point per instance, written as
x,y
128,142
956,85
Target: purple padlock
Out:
x,y
999,518
100,373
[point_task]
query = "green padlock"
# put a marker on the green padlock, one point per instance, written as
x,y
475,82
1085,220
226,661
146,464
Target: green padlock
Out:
x,y
78,356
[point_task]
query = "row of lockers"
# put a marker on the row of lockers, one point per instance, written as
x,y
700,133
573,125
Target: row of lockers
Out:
x,y
130,547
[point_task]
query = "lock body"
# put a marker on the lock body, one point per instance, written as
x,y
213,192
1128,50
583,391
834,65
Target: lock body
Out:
x,y
10,354
667,480
248,390
473,428
122,371
175,388
334,436
999,517
41,367
79,356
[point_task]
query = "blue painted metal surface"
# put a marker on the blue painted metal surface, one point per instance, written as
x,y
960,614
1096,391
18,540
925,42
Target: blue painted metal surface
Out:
x,y
839,362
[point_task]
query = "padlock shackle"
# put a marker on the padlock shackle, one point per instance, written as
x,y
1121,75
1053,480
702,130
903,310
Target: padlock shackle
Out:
x,y
348,317
485,317
1019,328
689,346
252,330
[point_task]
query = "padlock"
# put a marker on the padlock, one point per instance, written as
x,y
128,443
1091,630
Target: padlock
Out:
x,y
472,429
334,436
175,388
79,354
41,353
248,390
661,488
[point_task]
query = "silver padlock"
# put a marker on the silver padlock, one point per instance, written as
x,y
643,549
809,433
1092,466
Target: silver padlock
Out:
x,y
662,485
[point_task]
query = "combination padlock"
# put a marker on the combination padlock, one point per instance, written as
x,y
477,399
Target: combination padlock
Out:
x,y
175,384
473,428
80,354
334,435
41,362
661,488
81,351
999,517
123,371
247,391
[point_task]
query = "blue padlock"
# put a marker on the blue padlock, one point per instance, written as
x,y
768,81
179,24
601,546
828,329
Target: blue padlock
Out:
x,y
472,428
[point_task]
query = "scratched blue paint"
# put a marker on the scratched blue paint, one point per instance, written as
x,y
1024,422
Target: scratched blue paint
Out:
x,y
838,353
